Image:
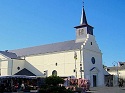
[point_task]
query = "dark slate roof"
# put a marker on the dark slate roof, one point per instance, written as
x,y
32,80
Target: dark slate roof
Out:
x,y
49,48
83,20
9,54
25,72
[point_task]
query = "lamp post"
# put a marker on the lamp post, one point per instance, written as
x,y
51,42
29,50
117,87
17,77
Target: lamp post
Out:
x,y
117,73
81,62
75,57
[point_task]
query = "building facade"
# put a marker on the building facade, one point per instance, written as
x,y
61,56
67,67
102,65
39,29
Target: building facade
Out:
x,y
117,71
79,58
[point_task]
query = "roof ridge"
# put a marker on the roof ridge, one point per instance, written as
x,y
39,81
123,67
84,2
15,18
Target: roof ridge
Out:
x,y
47,48
39,45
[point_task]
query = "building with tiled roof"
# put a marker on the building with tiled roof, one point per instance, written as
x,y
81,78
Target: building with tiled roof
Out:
x,y
118,70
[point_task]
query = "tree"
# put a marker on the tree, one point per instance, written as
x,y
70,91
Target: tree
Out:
x,y
54,80
52,85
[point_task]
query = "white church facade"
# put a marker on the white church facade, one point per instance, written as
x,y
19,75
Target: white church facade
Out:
x,y
79,58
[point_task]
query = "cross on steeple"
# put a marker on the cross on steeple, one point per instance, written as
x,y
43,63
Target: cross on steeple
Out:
x,y
83,21
83,3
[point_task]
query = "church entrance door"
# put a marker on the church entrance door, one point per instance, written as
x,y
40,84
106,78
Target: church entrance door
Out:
x,y
94,81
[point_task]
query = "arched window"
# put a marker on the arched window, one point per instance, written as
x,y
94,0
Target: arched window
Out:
x,y
54,73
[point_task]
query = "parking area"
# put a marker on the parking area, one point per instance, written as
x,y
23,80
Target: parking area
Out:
x,y
107,90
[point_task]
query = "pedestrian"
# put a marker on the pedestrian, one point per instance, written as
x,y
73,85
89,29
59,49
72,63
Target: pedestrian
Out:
x,y
107,84
23,86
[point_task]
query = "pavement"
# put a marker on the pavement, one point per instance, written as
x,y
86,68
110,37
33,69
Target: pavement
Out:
x,y
95,90
107,90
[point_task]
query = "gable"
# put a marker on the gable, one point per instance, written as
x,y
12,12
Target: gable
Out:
x,y
94,70
25,72
91,44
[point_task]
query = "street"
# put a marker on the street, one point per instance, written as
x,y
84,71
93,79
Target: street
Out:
x,y
107,90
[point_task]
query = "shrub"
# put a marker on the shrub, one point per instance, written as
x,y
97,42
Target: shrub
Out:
x,y
52,85
54,80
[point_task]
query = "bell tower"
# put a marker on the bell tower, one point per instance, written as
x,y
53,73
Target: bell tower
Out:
x,y
83,29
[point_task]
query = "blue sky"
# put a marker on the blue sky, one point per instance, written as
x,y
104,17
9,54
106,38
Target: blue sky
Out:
x,y
27,23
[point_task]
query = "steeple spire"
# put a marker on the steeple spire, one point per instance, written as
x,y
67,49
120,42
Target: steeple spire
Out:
x,y
83,17
84,28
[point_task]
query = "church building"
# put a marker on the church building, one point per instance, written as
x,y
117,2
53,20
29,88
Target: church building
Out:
x,y
79,58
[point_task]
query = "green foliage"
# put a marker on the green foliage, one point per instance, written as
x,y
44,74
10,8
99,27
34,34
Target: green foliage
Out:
x,y
54,80
52,85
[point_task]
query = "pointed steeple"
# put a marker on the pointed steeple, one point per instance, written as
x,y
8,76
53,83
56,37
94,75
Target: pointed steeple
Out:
x,y
83,21
84,28
83,18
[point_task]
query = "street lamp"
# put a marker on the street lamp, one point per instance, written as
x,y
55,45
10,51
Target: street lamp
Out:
x,y
75,57
117,73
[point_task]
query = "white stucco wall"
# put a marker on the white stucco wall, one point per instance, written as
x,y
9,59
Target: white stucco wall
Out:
x,y
9,66
15,63
120,74
89,52
3,65
4,68
82,37
65,63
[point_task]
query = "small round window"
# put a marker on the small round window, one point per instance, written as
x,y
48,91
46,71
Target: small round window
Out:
x,y
18,68
93,60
